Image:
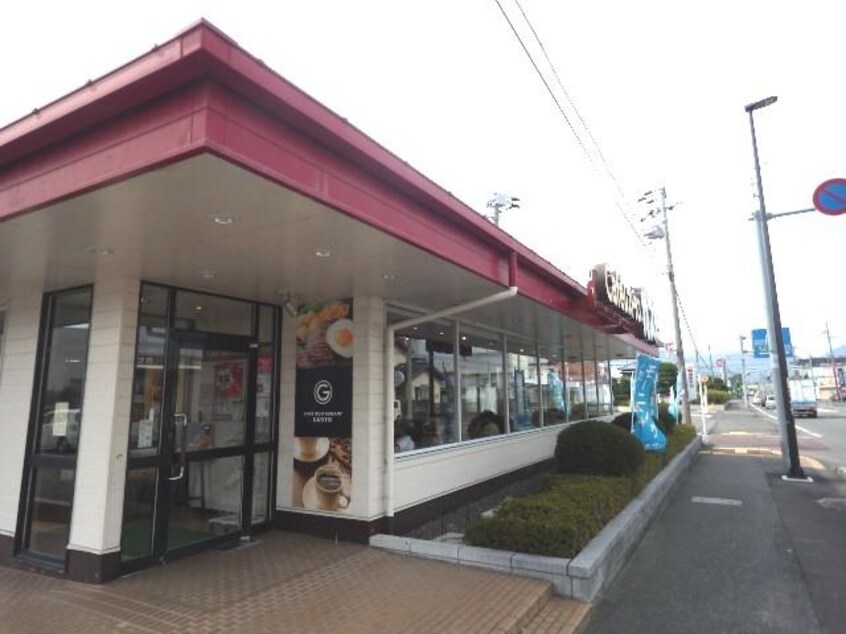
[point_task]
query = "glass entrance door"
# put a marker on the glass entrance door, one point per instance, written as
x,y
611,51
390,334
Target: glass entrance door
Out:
x,y
207,460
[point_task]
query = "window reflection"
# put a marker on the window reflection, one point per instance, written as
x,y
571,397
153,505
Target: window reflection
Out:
x,y
146,410
524,386
576,389
65,372
424,387
553,388
482,385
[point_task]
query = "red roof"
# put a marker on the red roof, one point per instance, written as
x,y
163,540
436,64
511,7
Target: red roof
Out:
x,y
186,96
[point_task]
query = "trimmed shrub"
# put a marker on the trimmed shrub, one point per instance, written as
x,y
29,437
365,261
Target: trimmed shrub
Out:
x,y
666,422
718,397
558,522
598,448
624,421
578,412
572,509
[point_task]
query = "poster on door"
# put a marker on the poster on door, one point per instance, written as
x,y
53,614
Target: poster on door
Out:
x,y
322,469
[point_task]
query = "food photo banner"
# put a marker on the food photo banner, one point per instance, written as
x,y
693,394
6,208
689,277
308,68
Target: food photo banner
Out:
x,y
323,407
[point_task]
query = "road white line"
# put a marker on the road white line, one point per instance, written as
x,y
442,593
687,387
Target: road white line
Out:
x,y
775,418
723,501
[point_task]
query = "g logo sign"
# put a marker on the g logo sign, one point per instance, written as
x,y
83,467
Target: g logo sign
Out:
x,y
322,392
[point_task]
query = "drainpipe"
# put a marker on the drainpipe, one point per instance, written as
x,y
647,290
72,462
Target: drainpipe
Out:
x,y
390,332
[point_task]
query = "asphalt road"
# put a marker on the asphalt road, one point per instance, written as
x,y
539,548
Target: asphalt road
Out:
x,y
822,438
760,555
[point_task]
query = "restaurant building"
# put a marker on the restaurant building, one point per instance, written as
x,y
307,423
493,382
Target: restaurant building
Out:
x,y
223,308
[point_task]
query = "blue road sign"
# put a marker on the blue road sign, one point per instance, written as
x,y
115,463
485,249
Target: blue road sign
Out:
x,y
761,343
830,197
760,346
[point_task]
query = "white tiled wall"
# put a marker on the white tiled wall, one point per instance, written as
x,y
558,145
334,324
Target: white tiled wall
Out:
x,y
101,459
16,383
368,407
420,477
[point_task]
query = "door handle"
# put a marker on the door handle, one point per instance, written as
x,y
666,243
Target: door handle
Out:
x,y
180,421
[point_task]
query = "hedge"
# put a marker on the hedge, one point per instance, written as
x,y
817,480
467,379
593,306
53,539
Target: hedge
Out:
x,y
571,510
595,447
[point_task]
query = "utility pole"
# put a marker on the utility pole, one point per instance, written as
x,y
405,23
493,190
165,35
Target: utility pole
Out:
x,y
679,345
743,373
833,367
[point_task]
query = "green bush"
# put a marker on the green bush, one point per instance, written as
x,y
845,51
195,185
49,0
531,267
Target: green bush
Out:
x,y
666,422
558,522
597,448
572,508
578,412
718,397
624,421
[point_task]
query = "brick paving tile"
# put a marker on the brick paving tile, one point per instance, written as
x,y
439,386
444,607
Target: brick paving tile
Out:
x,y
286,583
560,616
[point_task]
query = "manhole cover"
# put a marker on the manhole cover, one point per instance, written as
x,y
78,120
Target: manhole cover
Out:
x,y
838,504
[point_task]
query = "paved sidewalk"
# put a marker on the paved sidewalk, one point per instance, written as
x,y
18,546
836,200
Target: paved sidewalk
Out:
x,y
737,549
285,582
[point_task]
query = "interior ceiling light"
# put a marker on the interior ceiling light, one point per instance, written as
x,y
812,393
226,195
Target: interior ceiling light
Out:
x,y
223,220
208,275
323,253
198,308
388,277
463,337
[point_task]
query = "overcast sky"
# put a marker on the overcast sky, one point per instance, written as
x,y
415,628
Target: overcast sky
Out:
x,y
446,86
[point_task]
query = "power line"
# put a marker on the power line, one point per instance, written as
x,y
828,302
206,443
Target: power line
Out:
x,y
567,119
572,103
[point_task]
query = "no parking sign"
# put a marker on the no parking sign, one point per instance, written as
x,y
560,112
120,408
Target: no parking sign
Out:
x,y
830,197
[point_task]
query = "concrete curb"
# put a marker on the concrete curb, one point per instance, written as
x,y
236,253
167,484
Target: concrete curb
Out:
x,y
583,577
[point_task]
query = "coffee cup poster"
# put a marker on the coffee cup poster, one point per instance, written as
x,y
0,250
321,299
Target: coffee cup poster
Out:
x,y
322,469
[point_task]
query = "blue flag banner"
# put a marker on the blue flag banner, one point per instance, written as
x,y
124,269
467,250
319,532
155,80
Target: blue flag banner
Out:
x,y
645,404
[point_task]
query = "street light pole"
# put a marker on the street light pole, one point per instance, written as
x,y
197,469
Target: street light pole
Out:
x,y
836,394
743,374
787,426
686,417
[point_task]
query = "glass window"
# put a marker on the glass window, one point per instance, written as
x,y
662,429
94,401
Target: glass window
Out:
x,y
591,395
138,508
553,387
264,375
424,387
50,511
56,417
64,372
482,384
604,387
145,414
574,373
261,487
209,313
524,385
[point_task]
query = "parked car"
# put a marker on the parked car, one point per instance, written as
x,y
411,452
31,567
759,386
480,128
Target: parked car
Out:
x,y
769,402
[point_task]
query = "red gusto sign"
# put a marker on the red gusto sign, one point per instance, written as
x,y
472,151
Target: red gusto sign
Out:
x,y
633,303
